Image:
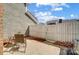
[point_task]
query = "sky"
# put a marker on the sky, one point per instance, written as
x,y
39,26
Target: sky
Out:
x,y
52,11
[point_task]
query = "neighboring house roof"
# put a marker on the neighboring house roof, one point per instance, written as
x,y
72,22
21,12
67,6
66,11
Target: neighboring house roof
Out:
x,y
31,17
70,20
66,20
52,21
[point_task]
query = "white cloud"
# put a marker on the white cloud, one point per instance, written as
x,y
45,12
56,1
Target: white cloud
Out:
x,y
38,4
57,9
35,10
53,4
66,5
42,13
72,15
59,5
46,16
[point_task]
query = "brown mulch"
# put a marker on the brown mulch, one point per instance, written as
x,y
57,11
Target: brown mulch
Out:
x,y
36,38
64,44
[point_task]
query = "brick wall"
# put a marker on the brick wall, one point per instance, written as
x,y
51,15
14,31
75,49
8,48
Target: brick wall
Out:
x,y
1,29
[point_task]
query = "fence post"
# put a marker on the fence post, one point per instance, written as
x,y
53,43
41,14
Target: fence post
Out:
x,y
46,32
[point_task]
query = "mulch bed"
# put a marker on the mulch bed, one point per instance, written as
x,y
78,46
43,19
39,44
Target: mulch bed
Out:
x,y
36,38
64,44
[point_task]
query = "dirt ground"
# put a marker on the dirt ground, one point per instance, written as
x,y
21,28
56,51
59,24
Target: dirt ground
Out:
x,y
36,48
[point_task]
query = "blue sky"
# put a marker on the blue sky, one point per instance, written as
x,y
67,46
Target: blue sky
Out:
x,y
52,11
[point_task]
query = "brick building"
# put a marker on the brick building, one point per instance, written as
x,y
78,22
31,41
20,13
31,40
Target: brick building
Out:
x,y
1,28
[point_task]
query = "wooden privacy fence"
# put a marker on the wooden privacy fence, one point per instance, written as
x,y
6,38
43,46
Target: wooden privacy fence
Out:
x,y
64,32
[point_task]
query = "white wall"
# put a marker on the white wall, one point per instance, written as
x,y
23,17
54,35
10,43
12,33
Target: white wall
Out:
x,y
14,19
67,31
